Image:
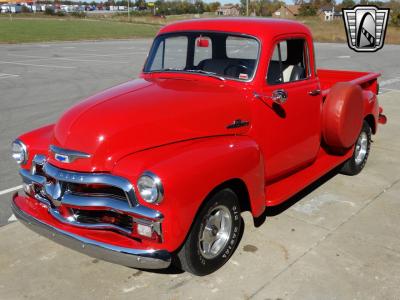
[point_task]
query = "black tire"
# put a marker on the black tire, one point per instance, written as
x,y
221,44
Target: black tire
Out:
x,y
353,166
190,256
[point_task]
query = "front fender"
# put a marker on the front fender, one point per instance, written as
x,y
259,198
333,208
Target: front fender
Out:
x,y
189,171
37,142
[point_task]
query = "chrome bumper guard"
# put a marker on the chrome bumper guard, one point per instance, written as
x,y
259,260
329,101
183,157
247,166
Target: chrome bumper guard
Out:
x,y
135,258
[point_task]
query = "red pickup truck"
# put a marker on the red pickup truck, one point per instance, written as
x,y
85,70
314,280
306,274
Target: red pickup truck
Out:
x,y
228,115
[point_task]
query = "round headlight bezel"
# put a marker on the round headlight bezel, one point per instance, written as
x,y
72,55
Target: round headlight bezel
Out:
x,y
156,186
23,152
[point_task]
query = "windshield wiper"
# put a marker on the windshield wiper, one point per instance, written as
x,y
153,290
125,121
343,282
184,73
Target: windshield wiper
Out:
x,y
208,73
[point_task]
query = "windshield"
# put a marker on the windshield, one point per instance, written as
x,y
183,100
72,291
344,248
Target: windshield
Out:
x,y
209,53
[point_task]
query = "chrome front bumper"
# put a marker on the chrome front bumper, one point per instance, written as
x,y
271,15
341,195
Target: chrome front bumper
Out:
x,y
135,258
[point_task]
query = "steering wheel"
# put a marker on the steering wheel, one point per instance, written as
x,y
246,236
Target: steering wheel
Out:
x,y
239,69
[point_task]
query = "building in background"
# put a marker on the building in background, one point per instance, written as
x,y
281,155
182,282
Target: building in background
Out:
x,y
327,13
228,10
287,11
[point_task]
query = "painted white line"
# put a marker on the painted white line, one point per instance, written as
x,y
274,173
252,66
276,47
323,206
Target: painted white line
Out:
x,y
35,65
114,54
37,58
344,56
5,75
389,81
140,49
10,190
12,218
90,60
80,54
386,90
82,60
90,50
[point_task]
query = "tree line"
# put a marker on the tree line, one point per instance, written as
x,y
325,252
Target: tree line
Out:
x,y
264,8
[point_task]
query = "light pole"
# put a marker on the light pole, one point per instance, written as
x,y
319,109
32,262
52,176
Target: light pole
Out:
x,y
129,12
247,7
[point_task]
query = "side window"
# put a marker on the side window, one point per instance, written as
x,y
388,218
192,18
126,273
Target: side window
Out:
x,y
289,62
202,49
171,54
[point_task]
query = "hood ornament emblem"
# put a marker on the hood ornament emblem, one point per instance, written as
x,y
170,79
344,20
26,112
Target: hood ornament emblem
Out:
x,y
67,156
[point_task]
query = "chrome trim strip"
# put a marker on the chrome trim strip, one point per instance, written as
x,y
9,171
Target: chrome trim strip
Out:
x,y
99,226
85,202
28,178
135,258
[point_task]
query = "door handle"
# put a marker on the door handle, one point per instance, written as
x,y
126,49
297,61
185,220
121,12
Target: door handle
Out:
x,y
314,92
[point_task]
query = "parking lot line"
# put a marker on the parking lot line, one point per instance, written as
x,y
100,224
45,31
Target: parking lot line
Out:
x,y
105,55
386,90
37,58
10,190
5,75
36,65
389,81
83,60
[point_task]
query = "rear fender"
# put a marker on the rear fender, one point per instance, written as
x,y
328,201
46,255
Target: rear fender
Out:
x,y
371,109
189,171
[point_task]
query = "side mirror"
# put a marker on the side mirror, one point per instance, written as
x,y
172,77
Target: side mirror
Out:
x,y
279,96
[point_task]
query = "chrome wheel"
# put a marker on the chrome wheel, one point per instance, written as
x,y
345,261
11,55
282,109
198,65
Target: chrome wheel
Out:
x,y
361,148
215,235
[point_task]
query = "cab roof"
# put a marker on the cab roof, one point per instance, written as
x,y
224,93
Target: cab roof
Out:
x,y
258,27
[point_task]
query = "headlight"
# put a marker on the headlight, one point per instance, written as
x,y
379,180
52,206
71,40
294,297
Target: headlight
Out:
x,y
19,152
150,188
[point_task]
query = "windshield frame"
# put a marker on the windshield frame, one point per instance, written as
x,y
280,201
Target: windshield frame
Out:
x,y
155,44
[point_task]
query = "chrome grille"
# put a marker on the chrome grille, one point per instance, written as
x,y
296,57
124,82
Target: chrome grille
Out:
x,y
88,200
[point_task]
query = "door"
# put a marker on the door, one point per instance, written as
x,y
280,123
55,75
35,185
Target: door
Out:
x,y
289,109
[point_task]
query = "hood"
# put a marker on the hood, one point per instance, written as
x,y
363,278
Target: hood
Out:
x,y
144,113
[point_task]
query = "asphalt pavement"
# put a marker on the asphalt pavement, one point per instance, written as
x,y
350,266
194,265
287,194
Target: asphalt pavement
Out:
x,y
340,240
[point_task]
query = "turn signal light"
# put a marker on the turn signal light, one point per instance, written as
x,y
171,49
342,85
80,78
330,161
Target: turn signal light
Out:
x,y
144,231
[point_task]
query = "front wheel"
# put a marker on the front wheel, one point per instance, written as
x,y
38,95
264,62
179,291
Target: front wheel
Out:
x,y
356,163
214,234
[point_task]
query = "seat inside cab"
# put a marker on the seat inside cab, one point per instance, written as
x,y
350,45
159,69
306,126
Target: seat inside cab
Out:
x,y
233,56
288,62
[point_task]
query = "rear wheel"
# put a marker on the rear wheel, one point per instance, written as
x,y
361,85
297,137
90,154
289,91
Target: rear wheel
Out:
x,y
214,235
356,163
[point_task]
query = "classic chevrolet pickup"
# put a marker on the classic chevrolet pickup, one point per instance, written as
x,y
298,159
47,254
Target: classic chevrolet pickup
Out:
x,y
228,115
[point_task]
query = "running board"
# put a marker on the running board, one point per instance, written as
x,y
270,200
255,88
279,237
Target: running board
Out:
x,y
280,191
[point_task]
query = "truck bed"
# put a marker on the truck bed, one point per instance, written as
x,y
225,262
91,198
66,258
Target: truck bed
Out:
x,y
367,80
